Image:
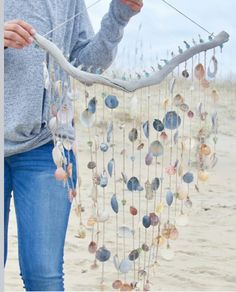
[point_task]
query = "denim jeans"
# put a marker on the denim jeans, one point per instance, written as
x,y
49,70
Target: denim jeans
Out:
x,y
42,211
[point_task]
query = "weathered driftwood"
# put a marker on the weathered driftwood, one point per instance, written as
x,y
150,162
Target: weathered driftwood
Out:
x,y
132,85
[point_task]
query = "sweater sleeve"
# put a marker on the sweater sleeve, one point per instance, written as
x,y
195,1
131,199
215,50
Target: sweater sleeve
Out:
x,y
98,51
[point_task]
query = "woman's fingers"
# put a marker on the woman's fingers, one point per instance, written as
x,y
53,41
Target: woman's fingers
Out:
x,y
17,34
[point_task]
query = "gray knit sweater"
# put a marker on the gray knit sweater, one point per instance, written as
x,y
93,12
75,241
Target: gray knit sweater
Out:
x,y
26,108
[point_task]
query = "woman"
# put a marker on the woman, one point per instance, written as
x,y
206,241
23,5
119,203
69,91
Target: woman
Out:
x,y
41,204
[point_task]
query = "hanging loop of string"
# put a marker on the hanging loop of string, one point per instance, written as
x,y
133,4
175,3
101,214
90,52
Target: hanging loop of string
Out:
x,y
190,19
71,18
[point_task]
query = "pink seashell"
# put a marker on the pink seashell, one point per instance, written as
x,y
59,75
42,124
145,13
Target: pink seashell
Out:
x,y
60,174
171,170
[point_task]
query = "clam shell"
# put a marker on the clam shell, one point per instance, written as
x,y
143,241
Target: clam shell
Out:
x,y
146,129
171,120
133,184
140,146
91,165
57,156
133,211
205,149
155,184
125,266
92,247
53,124
110,167
104,147
111,101
60,174
103,254
203,175
178,100
134,254
114,204
149,158
125,231
199,72
169,198
156,148
146,221
133,135
117,284
116,262
87,119
188,177
158,125
145,247
92,105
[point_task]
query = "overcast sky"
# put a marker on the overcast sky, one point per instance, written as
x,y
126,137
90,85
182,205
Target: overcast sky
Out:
x,y
163,29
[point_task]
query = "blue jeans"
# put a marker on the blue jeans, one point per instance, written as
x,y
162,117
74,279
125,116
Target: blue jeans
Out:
x,y
42,211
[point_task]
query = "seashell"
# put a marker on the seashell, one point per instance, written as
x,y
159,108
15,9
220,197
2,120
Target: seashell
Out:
x,y
125,266
182,220
57,156
167,254
132,158
140,146
170,170
184,107
205,83
212,73
103,216
159,208
174,233
109,131
142,274
146,129
203,175
133,211
124,177
133,184
149,158
111,101
65,115
164,136
103,254
114,204
205,150
149,193
67,144
181,192
178,100
92,105
171,120
158,125
60,174
92,247
155,184
169,198
91,165
125,231
87,119
110,167
53,124
46,77
146,221
91,221
188,203
103,179
81,233
117,284
190,114
134,254
188,177
133,135
185,74
159,240
104,147
172,85
69,169
145,247
58,87
215,96
116,262
154,219
199,72
126,287
156,148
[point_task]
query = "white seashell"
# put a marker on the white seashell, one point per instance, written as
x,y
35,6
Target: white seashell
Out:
x,y
53,124
57,156
46,76
87,119
116,262
125,266
103,216
67,145
125,231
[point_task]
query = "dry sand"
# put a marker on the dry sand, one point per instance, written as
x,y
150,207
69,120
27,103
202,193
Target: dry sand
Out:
x,y
205,253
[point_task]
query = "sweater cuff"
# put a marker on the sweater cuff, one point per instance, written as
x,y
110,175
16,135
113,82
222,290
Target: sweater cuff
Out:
x,y
121,12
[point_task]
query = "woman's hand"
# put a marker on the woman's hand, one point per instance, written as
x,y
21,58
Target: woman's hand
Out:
x,y
135,5
18,34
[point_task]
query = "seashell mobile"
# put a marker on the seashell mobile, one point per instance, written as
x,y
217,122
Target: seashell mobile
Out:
x,y
148,141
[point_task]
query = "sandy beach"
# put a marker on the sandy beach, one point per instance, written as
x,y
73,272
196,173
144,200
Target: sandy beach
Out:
x,y
205,253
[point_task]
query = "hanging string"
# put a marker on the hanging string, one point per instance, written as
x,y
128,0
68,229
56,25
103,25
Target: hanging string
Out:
x,y
190,19
74,16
